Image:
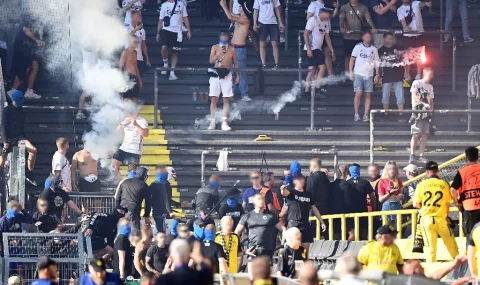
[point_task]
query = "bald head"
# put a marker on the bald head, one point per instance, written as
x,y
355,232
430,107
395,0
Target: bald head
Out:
x,y
413,267
227,224
261,268
308,274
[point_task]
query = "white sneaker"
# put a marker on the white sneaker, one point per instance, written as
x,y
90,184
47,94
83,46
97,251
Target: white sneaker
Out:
x,y
164,72
282,38
80,116
247,99
365,118
356,118
212,125
172,76
30,94
226,127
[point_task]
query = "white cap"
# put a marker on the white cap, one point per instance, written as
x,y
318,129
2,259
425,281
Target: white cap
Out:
x,y
14,280
412,168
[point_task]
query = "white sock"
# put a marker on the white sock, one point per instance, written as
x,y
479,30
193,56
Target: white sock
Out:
x,y
172,72
224,119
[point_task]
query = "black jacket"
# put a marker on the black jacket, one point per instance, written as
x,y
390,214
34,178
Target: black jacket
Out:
x,y
104,225
186,275
49,222
337,202
13,121
356,200
131,193
160,198
206,196
319,186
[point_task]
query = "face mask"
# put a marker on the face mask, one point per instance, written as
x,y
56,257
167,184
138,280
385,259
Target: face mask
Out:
x,y
215,184
222,42
354,171
209,235
161,177
198,232
124,229
11,213
232,202
131,174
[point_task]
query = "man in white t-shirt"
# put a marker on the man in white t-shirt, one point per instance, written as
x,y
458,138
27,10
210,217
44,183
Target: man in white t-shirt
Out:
x,y
61,165
422,99
135,128
317,31
135,28
131,5
410,16
172,16
363,63
267,25
313,11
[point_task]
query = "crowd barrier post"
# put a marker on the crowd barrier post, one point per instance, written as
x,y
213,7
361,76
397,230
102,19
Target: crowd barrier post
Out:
x,y
287,23
469,117
454,62
155,101
372,124
300,33
441,25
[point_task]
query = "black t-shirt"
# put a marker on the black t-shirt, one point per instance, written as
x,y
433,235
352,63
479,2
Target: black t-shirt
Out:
x,y
384,21
299,205
359,199
234,212
457,181
291,261
389,56
122,243
212,250
260,228
56,200
158,256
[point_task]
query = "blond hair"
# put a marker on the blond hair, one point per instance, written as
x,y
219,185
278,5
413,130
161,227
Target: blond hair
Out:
x,y
385,170
61,142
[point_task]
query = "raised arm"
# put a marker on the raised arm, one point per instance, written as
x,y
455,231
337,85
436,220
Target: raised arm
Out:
x,y
73,171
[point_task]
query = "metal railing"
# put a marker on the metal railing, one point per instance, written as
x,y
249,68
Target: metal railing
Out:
x,y
15,175
345,219
257,153
441,112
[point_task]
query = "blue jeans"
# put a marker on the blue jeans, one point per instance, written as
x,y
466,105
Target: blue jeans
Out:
x,y
397,87
160,223
391,206
241,54
462,9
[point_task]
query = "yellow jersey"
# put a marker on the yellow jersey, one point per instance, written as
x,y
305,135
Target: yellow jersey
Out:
x,y
474,240
375,256
231,246
434,196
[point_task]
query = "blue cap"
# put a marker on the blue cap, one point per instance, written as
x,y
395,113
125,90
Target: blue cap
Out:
x,y
17,97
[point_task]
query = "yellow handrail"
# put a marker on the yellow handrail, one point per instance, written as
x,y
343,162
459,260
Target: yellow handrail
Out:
x,y
413,213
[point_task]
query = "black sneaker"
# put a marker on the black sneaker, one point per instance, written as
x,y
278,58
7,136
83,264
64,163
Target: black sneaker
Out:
x,y
422,159
30,178
411,159
264,66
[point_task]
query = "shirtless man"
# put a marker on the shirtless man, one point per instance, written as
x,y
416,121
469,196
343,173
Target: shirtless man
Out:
x,y
239,41
222,55
88,170
128,63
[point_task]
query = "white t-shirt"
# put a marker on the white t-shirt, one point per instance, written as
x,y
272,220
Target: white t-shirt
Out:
x,y
266,11
176,20
417,20
319,28
423,90
137,6
314,8
60,162
132,139
140,34
366,59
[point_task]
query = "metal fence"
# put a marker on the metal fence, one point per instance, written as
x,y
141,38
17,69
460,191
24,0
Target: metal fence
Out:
x,y
15,175
439,112
330,154
22,251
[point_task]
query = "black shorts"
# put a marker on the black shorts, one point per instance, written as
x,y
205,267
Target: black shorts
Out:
x,y
413,42
133,92
317,59
98,243
261,252
85,186
349,45
305,229
269,30
470,218
170,39
126,157
22,60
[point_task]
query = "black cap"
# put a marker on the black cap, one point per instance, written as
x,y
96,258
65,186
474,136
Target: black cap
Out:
x,y
233,192
142,173
98,264
326,9
387,230
123,208
431,165
45,262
